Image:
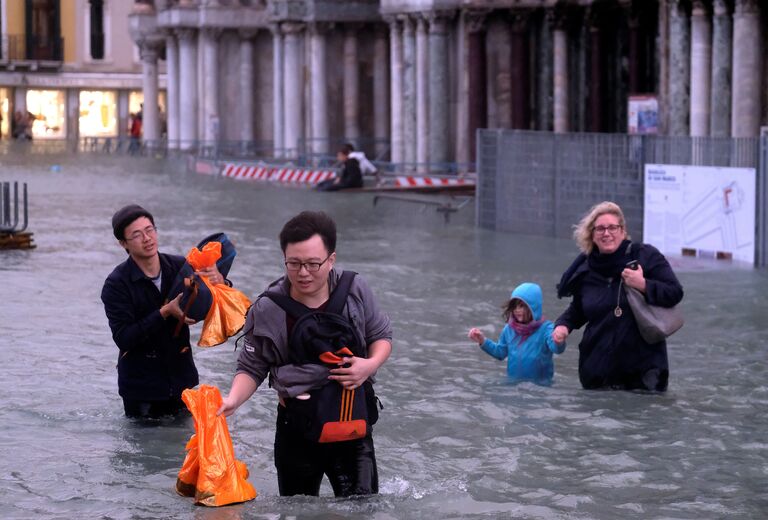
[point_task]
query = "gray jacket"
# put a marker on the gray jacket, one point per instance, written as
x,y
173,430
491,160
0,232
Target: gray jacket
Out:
x,y
266,340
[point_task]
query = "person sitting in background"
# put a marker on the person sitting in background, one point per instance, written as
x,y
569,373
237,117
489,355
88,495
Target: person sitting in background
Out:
x,y
350,175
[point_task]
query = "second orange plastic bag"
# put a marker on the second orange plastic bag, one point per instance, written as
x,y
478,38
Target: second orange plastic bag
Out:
x,y
210,472
227,313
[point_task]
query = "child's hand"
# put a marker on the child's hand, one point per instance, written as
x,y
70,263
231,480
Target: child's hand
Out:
x,y
476,335
559,334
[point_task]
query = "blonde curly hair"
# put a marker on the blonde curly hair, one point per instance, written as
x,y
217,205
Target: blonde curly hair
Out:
x,y
582,232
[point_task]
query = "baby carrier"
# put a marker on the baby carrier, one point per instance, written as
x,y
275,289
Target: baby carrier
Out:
x,y
332,413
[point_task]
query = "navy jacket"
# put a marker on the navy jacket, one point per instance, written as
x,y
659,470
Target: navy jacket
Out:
x,y
612,353
152,364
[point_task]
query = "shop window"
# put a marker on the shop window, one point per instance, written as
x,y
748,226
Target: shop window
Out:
x,y
98,113
48,109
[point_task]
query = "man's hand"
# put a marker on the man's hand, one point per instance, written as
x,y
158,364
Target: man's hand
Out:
x,y
173,308
212,274
228,406
355,374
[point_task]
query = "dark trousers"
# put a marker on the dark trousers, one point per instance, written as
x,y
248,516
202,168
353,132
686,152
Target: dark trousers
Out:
x,y
153,409
301,464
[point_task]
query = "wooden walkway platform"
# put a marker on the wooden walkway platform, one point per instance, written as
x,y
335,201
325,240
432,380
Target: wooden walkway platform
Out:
x,y
16,240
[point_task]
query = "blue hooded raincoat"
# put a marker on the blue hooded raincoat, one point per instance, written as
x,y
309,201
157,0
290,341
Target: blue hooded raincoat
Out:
x,y
530,360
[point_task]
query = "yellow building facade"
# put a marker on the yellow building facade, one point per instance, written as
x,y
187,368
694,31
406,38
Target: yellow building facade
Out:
x,y
68,69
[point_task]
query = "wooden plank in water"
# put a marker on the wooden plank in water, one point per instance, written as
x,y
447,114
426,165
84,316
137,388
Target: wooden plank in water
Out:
x,y
16,240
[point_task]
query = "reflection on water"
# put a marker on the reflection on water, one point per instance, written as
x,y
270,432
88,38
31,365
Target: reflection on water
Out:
x,y
455,438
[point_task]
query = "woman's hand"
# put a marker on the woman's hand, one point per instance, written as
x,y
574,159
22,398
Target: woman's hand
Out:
x,y
559,334
476,335
634,278
353,371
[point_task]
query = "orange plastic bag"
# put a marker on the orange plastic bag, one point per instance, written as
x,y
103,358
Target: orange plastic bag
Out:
x,y
210,472
227,313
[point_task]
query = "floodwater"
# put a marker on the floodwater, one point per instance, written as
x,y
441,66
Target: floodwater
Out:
x,y
455,440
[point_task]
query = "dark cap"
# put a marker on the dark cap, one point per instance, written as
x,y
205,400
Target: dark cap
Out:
x,y
125,216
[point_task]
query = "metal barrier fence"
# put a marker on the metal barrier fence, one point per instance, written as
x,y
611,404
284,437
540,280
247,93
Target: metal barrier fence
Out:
x,y
542,183
225,151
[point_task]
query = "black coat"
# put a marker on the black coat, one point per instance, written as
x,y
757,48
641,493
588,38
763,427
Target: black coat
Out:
x,y
612,353
152,364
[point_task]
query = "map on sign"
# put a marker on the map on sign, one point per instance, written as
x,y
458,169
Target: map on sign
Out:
x,y
700,211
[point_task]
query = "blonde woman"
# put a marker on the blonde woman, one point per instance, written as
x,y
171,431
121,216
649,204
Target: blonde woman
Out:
x,y
612,354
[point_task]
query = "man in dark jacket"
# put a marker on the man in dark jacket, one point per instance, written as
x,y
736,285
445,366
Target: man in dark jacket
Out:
x,y
153,366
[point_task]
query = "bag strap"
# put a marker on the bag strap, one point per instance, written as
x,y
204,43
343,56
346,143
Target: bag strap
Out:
x,y
293,308
338,297
336,301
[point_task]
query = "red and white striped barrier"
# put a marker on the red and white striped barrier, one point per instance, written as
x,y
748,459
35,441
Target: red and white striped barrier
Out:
x,y
275,174
412,181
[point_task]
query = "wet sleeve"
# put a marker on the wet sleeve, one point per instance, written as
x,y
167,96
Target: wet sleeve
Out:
x,y
662,287
129,331
498,350
573,317
259,354
377,323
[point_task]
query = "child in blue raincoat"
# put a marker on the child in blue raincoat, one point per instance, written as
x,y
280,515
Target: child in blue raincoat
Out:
x,y
526,340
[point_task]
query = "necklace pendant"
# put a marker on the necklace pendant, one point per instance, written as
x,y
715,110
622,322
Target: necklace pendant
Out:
x,y
617,312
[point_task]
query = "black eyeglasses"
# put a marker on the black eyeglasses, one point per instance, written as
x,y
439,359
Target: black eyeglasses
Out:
x,y
312,267
148,231
612,229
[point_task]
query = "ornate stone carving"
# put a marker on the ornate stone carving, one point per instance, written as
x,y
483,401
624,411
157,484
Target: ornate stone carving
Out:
x,y
476,21
747,7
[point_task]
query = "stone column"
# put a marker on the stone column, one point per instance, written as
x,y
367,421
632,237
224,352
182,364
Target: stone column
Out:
x,y
123,113
409,92
211,99
293,86
187,88
662,58
278,116
439,103
634,49
544,79
19,100
246,112
747,68
582,72
560,74
73,114
478,88
520,72
351,84
319,79
172,89
701,68
396,90
381,108
150,122
596,100
720,93
423,80
679,68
